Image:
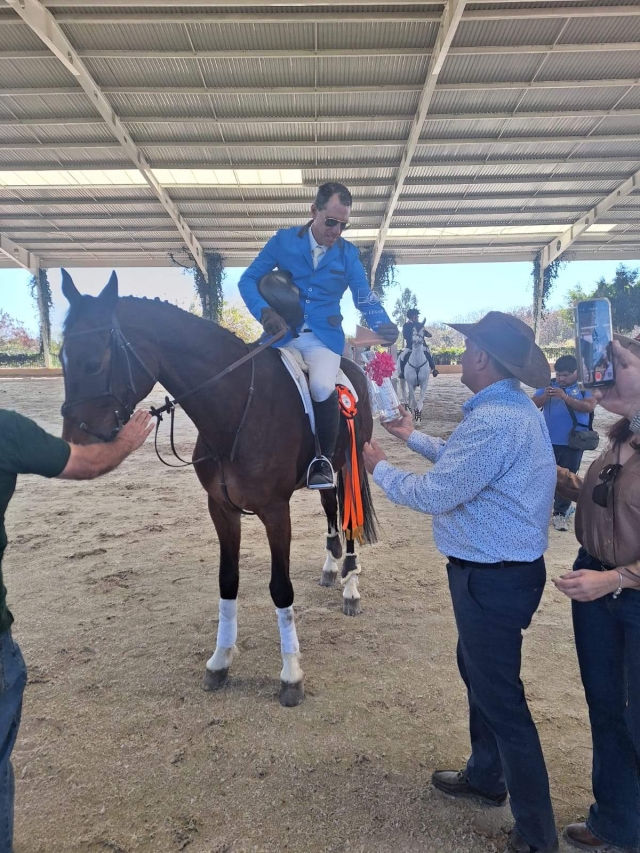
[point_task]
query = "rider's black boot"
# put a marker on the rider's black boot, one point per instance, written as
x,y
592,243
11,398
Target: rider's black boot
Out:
x,y
327,415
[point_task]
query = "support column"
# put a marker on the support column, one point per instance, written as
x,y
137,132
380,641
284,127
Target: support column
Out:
x,y
538,292
43,313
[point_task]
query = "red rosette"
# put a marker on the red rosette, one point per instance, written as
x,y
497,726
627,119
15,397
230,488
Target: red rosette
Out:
x,y
382,366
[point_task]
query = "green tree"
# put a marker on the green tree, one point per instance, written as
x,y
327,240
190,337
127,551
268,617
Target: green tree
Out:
x,y
405,302
624,294
575,294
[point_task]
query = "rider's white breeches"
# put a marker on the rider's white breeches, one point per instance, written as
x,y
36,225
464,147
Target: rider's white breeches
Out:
x,y
322,362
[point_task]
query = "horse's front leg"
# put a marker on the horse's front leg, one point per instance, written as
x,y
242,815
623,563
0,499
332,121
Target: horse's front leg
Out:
x,y
277,521
227,524
329,575
412,398
350,570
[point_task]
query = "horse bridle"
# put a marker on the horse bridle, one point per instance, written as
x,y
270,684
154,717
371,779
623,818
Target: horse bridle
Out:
x,y
117,343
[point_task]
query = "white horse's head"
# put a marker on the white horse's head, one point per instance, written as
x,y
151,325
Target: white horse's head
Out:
x,y
417,338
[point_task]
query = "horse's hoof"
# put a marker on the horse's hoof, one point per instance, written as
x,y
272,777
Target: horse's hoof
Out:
x,y
291,694
351,606
215,679
329,579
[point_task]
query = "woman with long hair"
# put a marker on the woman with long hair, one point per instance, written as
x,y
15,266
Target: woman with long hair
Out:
x,y
605,590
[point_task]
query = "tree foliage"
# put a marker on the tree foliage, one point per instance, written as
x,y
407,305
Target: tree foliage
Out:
x,y
405,302
236,318
623,291
209,287
14,337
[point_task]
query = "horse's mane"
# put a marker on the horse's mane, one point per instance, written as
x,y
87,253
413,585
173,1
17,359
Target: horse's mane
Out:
x,y
79,309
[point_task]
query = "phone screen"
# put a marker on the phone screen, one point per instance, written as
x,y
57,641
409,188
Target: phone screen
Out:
x,y
594,335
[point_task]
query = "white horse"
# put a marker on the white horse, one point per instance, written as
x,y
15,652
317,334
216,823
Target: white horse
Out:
x,y
415,375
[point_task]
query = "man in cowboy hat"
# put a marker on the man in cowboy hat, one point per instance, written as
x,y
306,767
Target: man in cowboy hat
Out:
x,y
490,493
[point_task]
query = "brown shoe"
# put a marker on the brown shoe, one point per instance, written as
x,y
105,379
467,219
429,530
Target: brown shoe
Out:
x,y
517,844
580,836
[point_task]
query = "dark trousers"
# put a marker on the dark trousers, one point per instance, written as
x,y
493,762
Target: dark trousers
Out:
x,y
566,457
13,677
492,607
607,633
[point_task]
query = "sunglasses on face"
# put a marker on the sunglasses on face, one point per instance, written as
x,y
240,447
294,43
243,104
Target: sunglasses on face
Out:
x,y
601,492
331,223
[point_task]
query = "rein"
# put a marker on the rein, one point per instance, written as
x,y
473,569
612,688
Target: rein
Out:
x,y
119,342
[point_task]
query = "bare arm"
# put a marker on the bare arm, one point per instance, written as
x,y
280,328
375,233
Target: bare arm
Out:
x,y
579,405
568,484
86,462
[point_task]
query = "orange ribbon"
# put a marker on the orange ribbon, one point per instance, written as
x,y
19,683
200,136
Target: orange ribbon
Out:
x,y
352,512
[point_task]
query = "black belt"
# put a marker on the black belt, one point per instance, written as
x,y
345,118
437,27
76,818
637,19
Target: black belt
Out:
x,y
306,330
503,564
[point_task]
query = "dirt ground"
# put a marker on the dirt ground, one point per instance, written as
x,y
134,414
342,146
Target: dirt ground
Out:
x,y
114,588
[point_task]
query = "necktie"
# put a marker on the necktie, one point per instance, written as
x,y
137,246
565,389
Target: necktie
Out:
x,y
318,252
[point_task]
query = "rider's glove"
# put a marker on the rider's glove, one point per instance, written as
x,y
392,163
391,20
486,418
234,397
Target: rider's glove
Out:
x,y
388,331
271,321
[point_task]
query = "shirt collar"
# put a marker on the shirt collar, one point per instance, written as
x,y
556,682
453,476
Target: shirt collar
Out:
x,y
498,389
314,242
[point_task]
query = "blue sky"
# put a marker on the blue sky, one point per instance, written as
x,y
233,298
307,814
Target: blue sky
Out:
x,y
445,291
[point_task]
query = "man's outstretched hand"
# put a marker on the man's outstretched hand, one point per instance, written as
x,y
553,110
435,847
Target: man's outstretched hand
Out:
x,y
372,454
403,427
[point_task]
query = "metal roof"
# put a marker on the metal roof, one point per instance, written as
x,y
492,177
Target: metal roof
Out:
x,y
472,131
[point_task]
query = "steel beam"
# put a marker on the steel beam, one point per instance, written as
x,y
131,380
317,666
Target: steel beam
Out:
x,y
43,24
563,241
19,255
321,90
316,119
310,53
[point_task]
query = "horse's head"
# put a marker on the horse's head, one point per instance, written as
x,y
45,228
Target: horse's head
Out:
x,y
417,338
105,375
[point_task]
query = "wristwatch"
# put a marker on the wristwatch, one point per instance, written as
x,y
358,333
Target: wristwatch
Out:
x,y
634,423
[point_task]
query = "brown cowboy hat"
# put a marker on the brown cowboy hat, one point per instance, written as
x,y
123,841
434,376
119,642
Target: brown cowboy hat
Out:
x,y
511,342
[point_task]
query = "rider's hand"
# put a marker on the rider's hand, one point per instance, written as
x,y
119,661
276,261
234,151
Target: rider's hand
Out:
x,y
434,373
135,431
624,397
388,331
271,321
403,427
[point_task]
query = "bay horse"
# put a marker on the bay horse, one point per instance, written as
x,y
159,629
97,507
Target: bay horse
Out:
x,y
253,448
414,379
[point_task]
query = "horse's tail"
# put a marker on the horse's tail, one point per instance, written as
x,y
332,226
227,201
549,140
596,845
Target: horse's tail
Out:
x,y
368,528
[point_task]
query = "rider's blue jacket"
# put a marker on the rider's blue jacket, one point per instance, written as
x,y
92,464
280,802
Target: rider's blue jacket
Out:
x,y
320,290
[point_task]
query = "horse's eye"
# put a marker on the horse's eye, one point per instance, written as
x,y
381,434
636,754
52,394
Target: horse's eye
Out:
x,y
93,367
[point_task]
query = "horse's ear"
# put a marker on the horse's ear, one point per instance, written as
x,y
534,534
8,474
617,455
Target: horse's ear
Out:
x,y
109,292
69,290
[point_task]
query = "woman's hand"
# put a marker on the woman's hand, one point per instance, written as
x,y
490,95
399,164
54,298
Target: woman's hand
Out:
x,y
372,453
623,398
403,427
587,585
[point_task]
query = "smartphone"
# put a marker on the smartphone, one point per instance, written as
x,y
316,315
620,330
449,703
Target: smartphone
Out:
x,y
594,336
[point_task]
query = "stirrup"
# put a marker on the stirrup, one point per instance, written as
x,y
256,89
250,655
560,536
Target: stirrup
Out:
x,y
323,477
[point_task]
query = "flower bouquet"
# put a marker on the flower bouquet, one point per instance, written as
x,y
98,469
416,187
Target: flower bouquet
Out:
x,y
380,367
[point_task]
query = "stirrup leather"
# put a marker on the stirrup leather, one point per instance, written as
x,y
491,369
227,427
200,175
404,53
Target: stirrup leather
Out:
x,y
330,473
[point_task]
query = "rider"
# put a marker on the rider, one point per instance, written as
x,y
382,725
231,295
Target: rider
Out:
x,y
413,323
322,265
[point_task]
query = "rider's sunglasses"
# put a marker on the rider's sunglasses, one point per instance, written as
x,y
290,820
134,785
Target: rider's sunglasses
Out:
x,y
331,223
601,492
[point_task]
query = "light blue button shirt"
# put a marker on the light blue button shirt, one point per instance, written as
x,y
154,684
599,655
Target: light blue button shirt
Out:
x,y
491,488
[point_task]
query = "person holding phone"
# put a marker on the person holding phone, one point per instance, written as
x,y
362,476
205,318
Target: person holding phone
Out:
x,y
605,590
565,408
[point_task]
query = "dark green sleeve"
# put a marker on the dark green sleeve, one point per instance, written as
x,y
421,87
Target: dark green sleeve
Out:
x,y
25,448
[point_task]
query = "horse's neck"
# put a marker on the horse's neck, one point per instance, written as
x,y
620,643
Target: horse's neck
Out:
x,y
417,354
188,350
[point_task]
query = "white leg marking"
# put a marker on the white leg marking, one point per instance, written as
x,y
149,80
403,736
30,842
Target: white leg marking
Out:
x,y
330,564
350,584
227,635
291,670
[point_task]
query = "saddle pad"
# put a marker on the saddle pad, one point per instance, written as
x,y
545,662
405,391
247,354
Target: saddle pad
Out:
x,y
293,361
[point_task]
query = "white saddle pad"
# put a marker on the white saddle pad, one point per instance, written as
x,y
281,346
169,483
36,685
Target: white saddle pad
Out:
x,y
298,370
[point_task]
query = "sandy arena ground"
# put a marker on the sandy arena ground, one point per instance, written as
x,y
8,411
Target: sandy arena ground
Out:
x,y
114,588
